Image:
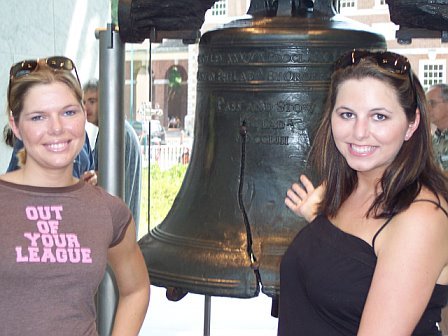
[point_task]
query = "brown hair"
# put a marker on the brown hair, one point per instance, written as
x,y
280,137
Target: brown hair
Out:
x,y
413,167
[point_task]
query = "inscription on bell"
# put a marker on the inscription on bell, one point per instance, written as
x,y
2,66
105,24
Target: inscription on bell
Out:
x,y
273,124
296,76
265,124
289,103
266,57
270,140
294,106
238,105
245,75
253,56
229,76
275,130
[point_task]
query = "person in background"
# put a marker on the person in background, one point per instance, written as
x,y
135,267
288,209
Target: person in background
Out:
x,y
437,96
374,258
133,156
58,232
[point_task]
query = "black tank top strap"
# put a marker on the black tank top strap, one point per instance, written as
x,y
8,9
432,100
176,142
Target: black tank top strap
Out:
x,y
379,230
389,219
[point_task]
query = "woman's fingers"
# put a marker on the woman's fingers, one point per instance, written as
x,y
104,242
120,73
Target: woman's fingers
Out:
x,y
303,199
90,177
294,205
309,187
299,191
294,198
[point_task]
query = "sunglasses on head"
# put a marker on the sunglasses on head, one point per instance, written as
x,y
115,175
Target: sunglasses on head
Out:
x,y
390,61
26,67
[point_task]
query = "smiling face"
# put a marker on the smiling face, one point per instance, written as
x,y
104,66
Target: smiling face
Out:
x,y
51,126
369,125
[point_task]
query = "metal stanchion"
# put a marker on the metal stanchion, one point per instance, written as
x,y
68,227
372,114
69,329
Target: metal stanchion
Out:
x,y
111,151
207,314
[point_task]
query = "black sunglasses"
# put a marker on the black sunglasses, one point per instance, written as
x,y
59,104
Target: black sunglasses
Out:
x,y
26,67
390,61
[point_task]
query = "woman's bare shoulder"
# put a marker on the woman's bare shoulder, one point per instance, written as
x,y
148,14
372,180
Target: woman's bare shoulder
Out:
x,y
426,219
426,198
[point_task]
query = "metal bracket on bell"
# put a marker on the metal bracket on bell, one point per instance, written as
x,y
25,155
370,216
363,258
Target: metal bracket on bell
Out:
x,y
270,8
175,293
187,36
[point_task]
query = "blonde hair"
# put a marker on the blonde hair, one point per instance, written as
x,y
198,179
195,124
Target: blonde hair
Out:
x,y
19,88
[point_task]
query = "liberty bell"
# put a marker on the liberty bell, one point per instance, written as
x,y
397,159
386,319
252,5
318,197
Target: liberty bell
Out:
x,y
261,85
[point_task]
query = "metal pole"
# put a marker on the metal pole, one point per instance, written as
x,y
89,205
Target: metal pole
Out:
x,y
148,136
207,311
131,87
110,152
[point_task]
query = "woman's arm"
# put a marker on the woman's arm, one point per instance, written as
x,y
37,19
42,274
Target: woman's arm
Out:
x,y
132,278
304,200
412,252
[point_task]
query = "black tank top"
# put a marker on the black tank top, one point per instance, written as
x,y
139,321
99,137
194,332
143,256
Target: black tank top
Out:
x,y
325,277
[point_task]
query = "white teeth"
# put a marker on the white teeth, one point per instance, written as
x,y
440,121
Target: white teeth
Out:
x,y
362,149
57,146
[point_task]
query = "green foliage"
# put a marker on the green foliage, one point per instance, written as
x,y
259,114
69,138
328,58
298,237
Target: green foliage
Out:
x,y
174,78
114,11
164,186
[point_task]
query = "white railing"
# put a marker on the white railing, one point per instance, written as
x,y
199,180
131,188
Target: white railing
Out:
x,y
168,155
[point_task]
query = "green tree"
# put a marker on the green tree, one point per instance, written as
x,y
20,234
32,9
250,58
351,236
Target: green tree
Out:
x,y
163,189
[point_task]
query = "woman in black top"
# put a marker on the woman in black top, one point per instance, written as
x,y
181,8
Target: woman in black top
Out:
x,y
374,258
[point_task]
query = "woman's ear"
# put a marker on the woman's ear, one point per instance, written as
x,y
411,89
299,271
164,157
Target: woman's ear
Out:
x,y
412,126
14,127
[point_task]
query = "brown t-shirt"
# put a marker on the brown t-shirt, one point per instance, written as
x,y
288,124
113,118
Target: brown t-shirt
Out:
x,y
53,254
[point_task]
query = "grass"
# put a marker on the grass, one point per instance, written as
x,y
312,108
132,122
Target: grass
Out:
x,y
159,197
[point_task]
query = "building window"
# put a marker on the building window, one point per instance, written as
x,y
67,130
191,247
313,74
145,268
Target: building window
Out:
x,y
432,72
345,4
219,8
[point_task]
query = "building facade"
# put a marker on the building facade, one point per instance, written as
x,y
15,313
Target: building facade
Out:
x,y
161,77
170,93
427,56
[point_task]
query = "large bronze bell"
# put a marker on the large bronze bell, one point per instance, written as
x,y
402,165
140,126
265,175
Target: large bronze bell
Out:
x,y
262,83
